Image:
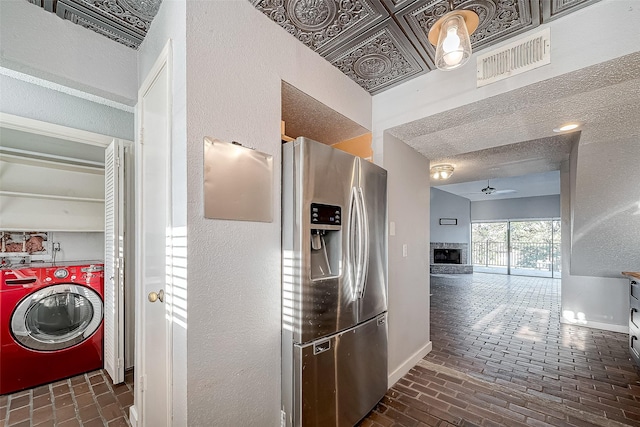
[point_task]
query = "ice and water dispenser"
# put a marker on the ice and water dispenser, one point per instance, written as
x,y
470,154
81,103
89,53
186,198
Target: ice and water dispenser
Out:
x,y
326,241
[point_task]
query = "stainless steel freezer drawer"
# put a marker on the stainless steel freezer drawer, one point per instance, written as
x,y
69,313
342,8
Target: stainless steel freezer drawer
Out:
x,y
340,379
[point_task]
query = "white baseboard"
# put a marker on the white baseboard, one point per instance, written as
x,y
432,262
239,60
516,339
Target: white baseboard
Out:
x,y
406,366
133,416
598,325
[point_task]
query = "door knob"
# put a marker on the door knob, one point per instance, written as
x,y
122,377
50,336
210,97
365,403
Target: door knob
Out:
x,y
153,296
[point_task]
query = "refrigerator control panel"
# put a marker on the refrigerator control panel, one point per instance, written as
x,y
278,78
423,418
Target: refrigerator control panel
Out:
x,y
326,214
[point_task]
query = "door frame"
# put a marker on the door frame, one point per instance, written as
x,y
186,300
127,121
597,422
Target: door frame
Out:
x,y
136,411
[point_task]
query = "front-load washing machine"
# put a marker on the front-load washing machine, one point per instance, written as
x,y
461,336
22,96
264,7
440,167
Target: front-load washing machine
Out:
x,y
51,323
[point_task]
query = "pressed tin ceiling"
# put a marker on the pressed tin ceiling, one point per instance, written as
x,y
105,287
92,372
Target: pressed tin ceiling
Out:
x,y
377,43
381,43
125,21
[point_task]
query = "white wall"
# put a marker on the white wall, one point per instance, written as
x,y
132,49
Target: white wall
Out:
x,y
595,302
447,205
170,23
236,59
409,310
540,207
606,228
65,53
76,246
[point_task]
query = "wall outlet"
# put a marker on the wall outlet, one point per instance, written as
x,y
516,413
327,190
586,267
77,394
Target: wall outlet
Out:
x,y
404,250
392,228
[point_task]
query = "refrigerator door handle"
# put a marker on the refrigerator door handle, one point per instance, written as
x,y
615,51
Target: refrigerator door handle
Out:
x,y
364,238
353,252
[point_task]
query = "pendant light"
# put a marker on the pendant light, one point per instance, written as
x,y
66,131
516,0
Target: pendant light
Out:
x,y
450,35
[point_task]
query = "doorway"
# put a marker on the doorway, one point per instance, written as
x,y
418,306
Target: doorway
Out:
x,y
517,247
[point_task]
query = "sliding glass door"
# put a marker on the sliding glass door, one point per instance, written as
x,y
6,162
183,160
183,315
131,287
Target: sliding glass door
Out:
x,y
490,247
528,248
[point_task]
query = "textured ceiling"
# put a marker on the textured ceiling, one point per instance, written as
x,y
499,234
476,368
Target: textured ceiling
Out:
x,y
512,134
531,185
381,43
306,116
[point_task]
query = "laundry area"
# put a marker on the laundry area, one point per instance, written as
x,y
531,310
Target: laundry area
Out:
x,y
65,307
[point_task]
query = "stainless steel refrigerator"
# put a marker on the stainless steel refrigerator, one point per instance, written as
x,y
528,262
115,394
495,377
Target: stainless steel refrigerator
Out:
x,y
334,285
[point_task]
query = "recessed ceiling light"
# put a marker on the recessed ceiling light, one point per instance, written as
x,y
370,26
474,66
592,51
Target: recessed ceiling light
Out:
x,y
568,126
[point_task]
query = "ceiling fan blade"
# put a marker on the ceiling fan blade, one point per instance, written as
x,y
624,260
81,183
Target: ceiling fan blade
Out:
x,y
504,191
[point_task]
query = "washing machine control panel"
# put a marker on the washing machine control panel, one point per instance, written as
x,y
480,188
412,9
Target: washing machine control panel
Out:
x,y
61,273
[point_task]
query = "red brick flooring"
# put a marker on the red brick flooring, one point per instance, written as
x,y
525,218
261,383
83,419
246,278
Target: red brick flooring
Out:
x,y
88,400
501,358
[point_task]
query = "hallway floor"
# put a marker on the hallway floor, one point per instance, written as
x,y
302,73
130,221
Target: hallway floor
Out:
x,y
501,358
88,400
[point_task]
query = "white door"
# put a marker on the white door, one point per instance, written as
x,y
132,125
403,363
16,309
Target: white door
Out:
x,y
114,192
152,403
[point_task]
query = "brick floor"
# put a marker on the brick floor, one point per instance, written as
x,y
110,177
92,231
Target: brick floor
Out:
x,y
501,358
84,400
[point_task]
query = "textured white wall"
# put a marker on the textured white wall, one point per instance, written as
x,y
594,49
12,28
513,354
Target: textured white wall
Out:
x,y
170,23
447,205
540,207
236,59
41,44
596,302
408,198
606,228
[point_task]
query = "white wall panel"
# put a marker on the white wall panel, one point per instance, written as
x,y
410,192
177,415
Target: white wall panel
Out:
x,y
236,60
65,53
447,205
409,311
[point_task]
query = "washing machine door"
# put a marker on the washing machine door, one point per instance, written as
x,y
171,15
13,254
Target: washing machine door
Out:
x,y
56,317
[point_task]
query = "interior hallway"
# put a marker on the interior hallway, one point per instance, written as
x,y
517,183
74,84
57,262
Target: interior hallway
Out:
x,y
501,357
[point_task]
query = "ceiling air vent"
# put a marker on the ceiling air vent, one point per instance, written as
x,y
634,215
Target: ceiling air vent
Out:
x,y
515,58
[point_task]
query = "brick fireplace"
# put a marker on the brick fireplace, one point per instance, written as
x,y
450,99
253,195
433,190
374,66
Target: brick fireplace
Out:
x,y
450,258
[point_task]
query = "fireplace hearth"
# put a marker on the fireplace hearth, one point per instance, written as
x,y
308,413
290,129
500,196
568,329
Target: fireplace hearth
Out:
x,y
450,258
446,256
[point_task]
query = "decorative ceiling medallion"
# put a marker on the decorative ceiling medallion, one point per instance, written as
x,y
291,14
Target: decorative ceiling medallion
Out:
x,y
311,15
322,25
379,60
372,65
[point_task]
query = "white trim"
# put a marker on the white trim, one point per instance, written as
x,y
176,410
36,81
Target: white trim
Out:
x,y
133,416
408,364
65,89
52,130
597,325
164,60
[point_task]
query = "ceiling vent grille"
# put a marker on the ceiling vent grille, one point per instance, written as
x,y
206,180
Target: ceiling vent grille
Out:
x,y
514,58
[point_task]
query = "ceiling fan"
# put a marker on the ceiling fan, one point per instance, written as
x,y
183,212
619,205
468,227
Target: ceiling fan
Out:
x,y
491,190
